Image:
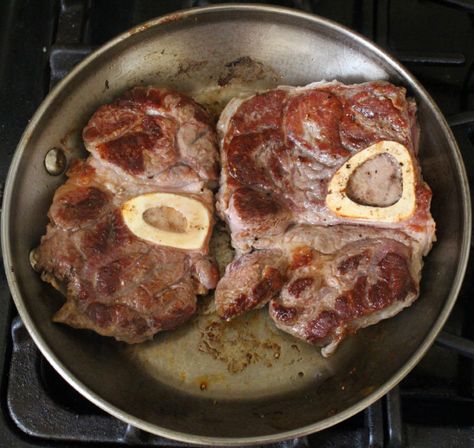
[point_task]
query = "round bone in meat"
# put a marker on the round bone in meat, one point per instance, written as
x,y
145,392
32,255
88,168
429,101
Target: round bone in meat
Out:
x,y
192,231
339,202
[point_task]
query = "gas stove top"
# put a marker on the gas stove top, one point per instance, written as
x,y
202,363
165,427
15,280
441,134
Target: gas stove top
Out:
x,y
39,44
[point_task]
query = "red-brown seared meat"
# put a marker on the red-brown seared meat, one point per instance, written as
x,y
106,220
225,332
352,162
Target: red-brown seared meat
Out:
x,y
149,140
149,132
279,151
250,282
355,286
300,138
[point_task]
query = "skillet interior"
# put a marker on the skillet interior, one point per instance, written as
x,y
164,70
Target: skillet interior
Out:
x,y
189,52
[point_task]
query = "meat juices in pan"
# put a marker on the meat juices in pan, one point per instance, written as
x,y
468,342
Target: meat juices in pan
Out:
x,y
322,191
147,145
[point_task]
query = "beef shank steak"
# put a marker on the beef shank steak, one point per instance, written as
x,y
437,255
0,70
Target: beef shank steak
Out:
x,y
127,241
322,192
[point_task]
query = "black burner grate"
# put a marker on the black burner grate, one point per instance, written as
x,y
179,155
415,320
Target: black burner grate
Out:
x,y
40,42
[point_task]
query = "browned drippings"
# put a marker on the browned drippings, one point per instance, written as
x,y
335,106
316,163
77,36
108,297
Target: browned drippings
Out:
x,y
237,349
243,69
189,67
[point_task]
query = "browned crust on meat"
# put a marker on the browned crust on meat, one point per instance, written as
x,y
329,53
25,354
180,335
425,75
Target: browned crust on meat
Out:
x,y
279,151
116,283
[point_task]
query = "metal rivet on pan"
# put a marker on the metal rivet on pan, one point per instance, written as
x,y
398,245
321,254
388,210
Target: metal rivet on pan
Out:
x,y
55,161
34,260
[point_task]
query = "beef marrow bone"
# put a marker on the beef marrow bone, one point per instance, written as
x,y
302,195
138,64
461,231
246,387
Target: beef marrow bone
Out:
x,y
341,204
184,225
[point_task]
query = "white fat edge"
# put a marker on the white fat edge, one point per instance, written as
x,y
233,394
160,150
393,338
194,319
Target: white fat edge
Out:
x,y
294,90
155,112
318,85
311,85
227,113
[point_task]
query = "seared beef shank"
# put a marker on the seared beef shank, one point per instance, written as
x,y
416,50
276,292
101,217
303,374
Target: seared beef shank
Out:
x,y
326,179
116,283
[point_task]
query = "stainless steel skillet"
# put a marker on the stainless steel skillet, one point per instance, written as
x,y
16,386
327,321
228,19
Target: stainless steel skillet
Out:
x,y
244,383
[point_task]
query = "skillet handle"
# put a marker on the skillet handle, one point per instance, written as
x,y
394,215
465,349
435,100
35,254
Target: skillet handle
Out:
x,y
461,345
461,119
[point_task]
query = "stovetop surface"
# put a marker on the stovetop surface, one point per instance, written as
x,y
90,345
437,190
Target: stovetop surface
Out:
x,y
41,41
